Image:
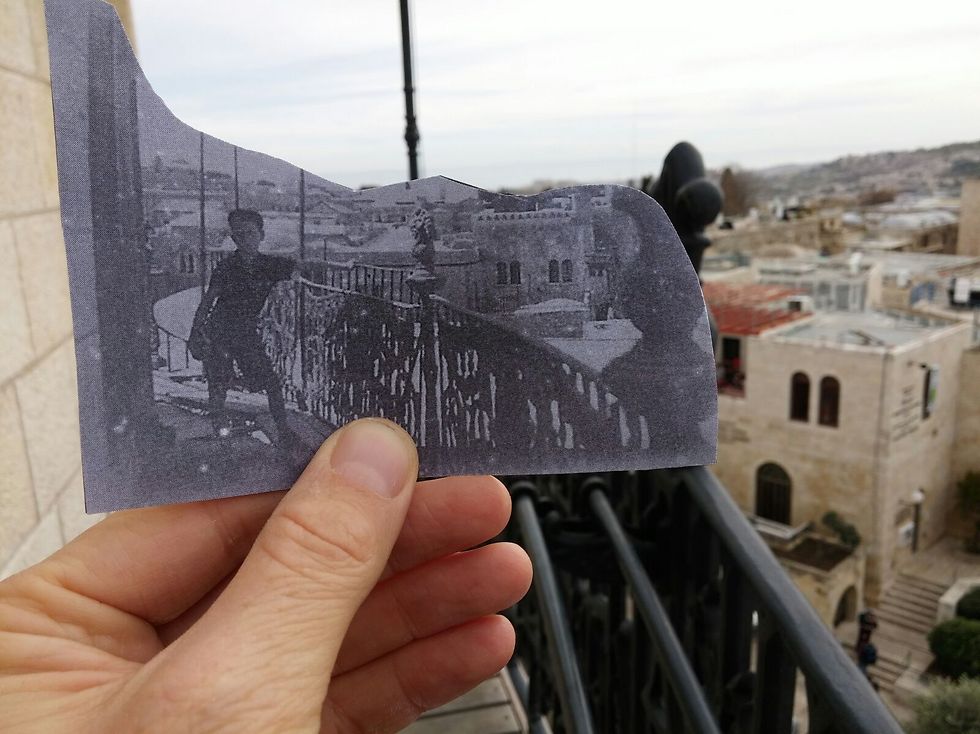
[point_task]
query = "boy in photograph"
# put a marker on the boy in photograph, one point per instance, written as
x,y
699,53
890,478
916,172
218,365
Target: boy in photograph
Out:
x,y
226,329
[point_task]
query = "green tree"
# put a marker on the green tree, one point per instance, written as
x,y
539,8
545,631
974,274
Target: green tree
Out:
x,y
948,708
956,645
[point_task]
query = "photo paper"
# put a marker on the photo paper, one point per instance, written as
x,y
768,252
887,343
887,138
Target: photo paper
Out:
x,y
231,310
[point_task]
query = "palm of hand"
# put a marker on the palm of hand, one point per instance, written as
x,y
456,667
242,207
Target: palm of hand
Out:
x,y
130,628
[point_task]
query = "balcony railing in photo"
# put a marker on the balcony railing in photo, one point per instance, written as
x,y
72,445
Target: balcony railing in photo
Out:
x,y
461,383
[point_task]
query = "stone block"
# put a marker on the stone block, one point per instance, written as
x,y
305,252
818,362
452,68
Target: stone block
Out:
x,y
48,397
15,329
18,511
39,38
42,116
44,275
21,188
44,540
16,46
71,510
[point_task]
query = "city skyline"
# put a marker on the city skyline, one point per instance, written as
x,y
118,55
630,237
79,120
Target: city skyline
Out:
x,y
551,91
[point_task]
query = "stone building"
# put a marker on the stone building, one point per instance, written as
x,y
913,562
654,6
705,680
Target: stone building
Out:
x,y
854,413
820,232
968,238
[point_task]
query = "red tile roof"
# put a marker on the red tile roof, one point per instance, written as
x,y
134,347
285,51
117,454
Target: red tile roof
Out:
x,y
749,308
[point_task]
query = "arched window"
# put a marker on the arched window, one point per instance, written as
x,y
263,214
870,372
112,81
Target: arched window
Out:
x,y
566,271
190,263
773,493
515,273
799,397
501,273
829,401
553,275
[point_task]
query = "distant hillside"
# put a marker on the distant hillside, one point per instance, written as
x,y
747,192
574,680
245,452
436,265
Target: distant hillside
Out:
x,y
922,171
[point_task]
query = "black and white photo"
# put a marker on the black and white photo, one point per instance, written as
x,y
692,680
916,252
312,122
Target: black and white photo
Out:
x,y
232,310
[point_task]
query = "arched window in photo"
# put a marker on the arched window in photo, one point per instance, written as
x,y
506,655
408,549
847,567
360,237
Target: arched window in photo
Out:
x,y
566,271
829,401
773,493
501,273
799,397
515,273
553,274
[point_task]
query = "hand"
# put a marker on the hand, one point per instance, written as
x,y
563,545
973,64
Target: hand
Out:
x,y
348,604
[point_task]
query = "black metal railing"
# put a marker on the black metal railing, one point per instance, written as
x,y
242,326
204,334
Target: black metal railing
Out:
x,y
679,617
456,380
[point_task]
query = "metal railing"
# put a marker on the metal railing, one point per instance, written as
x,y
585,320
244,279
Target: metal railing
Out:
x,y
680,619
454,379
172,350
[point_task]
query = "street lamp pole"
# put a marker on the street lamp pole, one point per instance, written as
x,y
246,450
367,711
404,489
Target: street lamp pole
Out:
x,y
411,127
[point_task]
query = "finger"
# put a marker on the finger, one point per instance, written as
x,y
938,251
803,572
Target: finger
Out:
x,y
445,516
449,515
277,628
167,633
156,562
435,597
390,693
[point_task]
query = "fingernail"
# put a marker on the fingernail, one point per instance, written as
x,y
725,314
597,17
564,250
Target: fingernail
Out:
x,y
370,455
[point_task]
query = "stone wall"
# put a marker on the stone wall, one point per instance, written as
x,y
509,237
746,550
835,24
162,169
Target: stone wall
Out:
x,y
41,503
968,239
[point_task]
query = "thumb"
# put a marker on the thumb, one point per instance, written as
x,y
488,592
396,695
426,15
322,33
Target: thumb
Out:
x,y
285,614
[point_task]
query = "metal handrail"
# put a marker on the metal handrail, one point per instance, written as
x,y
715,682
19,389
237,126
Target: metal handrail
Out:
x,y
690,695
829,672
561,648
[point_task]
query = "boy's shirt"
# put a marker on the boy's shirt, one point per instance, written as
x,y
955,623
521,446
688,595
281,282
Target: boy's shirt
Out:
x,y
242,289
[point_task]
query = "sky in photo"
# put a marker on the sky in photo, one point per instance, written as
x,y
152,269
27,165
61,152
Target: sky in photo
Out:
x,y
512,91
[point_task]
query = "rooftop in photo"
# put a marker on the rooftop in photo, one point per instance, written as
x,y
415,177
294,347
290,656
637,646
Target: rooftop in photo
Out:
x,y
865,329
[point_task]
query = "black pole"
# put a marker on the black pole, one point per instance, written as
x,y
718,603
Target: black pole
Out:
x,y
204,252
411,128
302,215
236,176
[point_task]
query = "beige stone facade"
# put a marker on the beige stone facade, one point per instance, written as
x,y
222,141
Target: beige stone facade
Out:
x,y
822,231
41,503
868,466
968,239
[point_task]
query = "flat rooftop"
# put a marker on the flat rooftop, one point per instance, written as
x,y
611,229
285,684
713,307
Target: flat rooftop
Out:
x,y
865,329
893,263
749,308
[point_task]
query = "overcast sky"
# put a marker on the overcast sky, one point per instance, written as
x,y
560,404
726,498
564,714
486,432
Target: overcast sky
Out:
x,y
515,90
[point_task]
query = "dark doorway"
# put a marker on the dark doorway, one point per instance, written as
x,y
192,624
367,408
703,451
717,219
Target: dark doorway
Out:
x,y
773,493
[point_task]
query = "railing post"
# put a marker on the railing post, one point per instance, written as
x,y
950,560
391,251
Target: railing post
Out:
x,y
300,305
424,282
576,712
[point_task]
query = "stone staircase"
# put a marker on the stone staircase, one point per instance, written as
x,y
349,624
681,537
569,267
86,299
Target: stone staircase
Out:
x,y
887,670
911,602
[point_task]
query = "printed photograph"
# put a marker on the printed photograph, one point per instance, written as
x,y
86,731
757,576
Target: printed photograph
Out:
x,y
232,310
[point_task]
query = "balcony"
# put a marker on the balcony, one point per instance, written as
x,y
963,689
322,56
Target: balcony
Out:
x,y
657,607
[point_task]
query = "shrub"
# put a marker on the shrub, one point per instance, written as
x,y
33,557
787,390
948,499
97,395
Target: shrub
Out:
x,y
956,645
846,532
969,604
948,708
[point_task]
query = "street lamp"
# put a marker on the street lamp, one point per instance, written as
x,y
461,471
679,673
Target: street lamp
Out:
x,y
411,127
